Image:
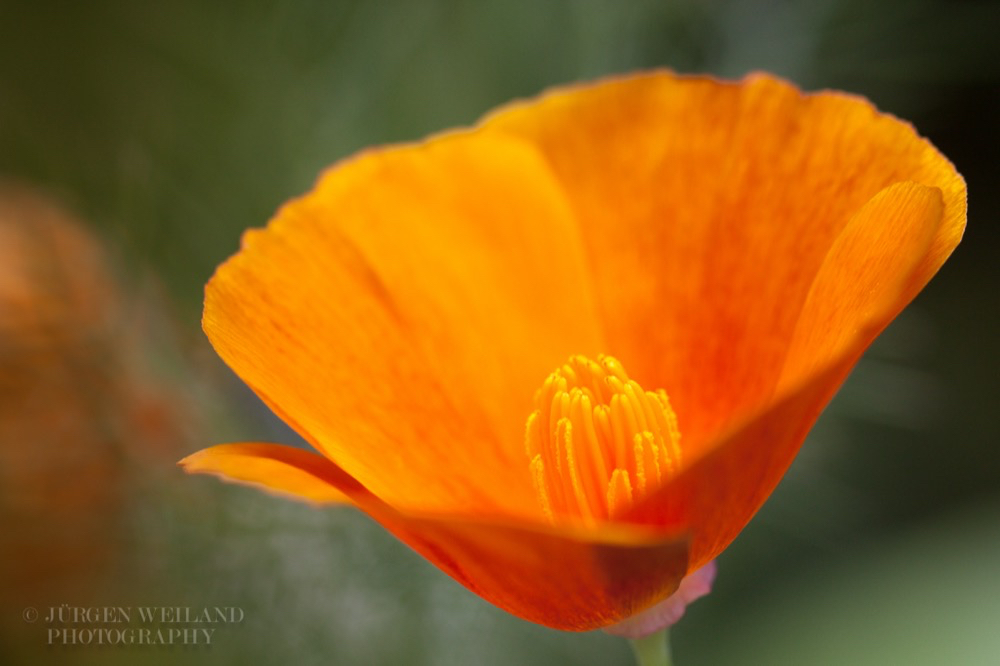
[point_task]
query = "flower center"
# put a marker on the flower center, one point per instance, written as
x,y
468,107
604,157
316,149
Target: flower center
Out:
x,y
597,442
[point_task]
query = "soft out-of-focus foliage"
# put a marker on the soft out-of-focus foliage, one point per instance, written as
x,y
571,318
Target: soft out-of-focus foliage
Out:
x,y
171,127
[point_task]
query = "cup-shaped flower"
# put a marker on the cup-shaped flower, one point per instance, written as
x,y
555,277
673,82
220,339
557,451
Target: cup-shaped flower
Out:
x,y
694,265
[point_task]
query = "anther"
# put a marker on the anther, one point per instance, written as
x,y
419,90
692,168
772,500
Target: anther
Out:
x,y
597,442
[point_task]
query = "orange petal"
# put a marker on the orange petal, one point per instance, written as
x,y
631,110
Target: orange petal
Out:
x,y
707,209
402,314
281,470
866,279
873,269
566,579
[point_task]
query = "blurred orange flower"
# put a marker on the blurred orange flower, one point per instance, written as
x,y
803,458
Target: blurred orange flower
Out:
x,y
75,408
734,246
62,477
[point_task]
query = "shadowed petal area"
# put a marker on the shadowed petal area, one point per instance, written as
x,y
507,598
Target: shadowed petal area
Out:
x,y
565,579
402,314
866,279
707,209
569,580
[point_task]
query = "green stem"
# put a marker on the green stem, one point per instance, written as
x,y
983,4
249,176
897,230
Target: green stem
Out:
x,y
653,650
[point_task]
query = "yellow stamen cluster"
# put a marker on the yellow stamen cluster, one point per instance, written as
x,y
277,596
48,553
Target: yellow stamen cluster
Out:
x,y
597,442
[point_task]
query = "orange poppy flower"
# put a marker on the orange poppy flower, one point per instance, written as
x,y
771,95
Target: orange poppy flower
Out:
x,y
734,248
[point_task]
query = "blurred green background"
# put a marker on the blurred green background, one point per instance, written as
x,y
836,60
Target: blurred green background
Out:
x,y
171,127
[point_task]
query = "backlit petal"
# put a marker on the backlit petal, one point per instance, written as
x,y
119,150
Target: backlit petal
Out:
x,y
865,281
401,315
707,209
